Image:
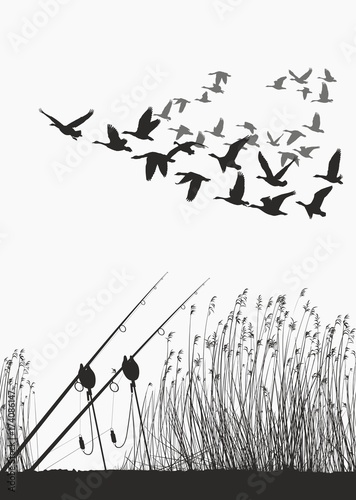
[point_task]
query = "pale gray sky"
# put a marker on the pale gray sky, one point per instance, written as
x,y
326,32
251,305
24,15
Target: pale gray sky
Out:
x,y
74,215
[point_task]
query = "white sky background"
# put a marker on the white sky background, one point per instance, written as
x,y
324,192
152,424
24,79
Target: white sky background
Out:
x,y
62,236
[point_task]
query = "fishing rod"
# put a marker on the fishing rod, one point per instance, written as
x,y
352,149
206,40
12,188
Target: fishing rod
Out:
x,y
122,329
105,386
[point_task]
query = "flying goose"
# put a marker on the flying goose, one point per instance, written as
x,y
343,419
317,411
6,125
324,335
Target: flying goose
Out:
x,y
314,208
273,180
204,98
237,192
286,155
217,129
273,142
294,135
154,160
304,151
278,84
333,169
324,94
229,159
315,126
301,79
220,76
271,206
186,147
249,126
195,183
215,88
69,129
328,78
166,110
115,143
200,140
182,130
182,103
305,92
145,126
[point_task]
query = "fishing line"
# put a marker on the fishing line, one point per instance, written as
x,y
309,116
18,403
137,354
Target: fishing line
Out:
x,y
86,378
63,444
71,453
114,387
112,409
80,409
112,432
81,441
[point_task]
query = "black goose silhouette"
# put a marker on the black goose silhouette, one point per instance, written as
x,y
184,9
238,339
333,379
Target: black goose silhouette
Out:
x,y
278,84
273,180
186,147
220,76
182,130
237,192
204,98
273,142
218,129
324,94
182,103
215,88
115,142
328,78
315,126
333,169
271,206
314,208
69,129
301,79
145,126
229,159
155,160
86,377
195,183
165,112
130,368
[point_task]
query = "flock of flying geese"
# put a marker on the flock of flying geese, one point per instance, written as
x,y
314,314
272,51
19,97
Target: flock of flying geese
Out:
x,y
270,205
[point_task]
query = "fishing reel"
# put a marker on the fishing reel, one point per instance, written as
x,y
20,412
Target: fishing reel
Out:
x,y
131,370
86,377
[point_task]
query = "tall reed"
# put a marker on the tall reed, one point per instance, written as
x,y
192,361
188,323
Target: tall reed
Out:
x,y
275,392
17,409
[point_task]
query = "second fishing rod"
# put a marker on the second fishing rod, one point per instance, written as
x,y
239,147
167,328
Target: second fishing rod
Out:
x,y
122,328
98,394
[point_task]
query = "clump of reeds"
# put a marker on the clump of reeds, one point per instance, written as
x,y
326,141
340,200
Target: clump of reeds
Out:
x,y
276,392
16,419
